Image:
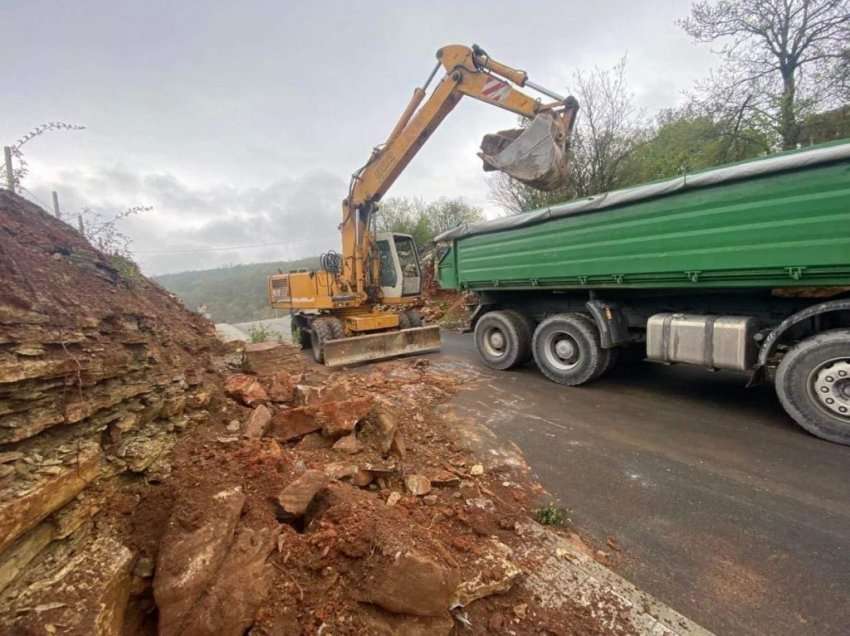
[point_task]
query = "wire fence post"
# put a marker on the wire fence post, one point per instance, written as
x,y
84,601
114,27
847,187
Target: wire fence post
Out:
x,y
10,176
56,205
80,225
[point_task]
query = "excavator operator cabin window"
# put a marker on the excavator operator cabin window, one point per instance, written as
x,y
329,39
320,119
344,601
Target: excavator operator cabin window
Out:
x,y
406,251
388,274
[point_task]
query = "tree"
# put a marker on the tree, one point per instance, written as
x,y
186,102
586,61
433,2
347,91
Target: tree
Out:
x,y
424,221
444,214
782,60
684,141
608,129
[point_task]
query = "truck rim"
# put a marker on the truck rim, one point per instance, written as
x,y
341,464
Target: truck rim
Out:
x,y
495,343
830,386
561,351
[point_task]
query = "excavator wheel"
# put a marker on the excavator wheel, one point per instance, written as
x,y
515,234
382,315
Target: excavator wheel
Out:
x,y
336,327
320,332
403,320
414,318
300,334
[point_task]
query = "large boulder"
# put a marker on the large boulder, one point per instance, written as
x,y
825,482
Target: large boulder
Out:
x,y
245,389
412,584
258,422
245,576
191,552
297,496
339,418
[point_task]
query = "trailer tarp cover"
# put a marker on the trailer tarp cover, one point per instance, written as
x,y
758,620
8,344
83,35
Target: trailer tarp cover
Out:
x,y
794,160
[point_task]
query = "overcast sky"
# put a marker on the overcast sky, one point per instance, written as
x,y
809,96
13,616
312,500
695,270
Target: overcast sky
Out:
x,y
241,122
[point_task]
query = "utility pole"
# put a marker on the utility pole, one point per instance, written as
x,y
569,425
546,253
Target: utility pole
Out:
x,y
56,205
10,176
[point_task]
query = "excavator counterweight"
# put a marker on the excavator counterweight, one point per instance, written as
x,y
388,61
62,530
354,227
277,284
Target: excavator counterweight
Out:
x,y
361,305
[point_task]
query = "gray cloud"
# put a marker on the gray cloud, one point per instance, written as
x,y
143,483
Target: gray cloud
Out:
x,y
188,225
241,122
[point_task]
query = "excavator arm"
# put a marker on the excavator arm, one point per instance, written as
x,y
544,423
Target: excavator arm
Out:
x,y
541,161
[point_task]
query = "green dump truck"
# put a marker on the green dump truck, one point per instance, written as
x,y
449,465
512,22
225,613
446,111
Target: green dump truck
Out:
x,y
743,267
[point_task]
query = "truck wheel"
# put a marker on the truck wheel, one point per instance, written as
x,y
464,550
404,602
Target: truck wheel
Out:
x,y
320,332
526,326
566,349
609,356
813,384
414,317
503,339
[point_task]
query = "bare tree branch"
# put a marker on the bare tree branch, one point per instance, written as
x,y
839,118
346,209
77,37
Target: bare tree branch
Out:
x,y
793,52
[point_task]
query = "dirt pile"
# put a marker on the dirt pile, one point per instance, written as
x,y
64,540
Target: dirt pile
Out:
x,y
99,371
358,509
452,310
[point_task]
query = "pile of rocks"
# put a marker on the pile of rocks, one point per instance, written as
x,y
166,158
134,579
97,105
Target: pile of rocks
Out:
x,y
326,473
100,369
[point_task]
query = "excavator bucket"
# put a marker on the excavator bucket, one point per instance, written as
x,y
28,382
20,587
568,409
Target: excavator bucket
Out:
x,y
535,155
378,346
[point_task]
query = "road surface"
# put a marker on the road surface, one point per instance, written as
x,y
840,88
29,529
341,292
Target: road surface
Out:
x,y
722,507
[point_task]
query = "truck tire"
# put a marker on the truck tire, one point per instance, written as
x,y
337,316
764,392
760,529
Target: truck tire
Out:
x,y
813,384
566,349
503,339
526,326
320,332
609,356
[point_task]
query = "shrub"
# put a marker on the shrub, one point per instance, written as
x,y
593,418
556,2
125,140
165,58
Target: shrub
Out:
x,y
551,515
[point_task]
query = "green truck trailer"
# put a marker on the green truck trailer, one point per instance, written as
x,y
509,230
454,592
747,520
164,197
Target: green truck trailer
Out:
x,y
743,267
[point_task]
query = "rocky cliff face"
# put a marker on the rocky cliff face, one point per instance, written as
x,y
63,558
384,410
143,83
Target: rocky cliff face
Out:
x,y
99,370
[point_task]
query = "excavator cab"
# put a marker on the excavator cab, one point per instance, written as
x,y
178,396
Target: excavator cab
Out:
x,y
400,272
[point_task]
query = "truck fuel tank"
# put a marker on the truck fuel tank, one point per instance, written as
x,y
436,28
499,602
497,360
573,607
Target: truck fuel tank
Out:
x,y
717,342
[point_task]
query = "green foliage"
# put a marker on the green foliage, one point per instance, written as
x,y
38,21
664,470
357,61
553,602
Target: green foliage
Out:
x,y
828,126
551,515
685,142
261,333
125,267
423,221
230,294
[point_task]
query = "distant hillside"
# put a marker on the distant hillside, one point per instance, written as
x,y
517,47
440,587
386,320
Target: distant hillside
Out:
x,y
230,294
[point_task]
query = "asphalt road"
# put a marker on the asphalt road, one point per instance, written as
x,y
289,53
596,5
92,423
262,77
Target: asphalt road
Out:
x,y
723,508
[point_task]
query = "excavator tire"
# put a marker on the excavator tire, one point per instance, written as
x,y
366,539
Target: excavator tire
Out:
x,y
320,332
414,318
300,333
404,321
337,330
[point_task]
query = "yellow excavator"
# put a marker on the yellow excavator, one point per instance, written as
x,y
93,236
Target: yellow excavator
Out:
x,y
361,305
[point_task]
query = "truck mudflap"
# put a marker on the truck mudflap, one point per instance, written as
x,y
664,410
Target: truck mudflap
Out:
x,y
379,346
